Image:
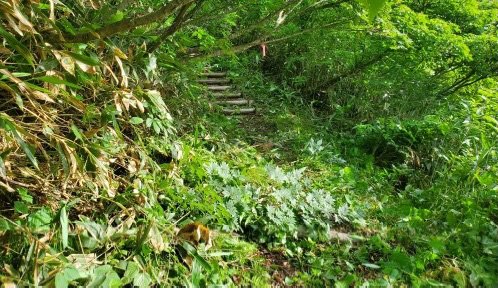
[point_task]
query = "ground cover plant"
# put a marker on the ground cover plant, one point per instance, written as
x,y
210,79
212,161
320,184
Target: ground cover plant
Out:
x,y
371,160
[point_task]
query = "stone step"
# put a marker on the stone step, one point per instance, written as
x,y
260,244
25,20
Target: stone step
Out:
x,y
223,95
237,101
218,88
214,81
240,111
214,74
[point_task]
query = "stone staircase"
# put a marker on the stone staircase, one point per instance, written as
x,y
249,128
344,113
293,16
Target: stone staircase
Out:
x,y
226,95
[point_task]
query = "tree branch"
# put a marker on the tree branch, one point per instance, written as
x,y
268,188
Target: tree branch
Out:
x,y
177,24
263,20
211,15
126,3
261,40
128,24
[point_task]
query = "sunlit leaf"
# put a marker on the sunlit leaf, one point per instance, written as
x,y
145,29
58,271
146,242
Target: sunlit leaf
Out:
x,y
24,195
132,269
4,225
373,7
119,53
370,265
142,280
136,120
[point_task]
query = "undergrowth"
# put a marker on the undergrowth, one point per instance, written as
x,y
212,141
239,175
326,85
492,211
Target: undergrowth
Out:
x,y
104,155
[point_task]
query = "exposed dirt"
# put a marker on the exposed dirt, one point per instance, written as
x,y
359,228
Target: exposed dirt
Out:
x,y
278,266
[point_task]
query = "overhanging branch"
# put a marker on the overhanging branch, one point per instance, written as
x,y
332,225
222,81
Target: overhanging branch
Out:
x,y
177,24
261,40
128,24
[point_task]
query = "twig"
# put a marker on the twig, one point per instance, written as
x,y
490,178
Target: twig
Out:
x,y
7,187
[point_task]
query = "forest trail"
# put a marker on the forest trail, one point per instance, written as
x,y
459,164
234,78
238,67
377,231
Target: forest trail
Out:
x,y
226,95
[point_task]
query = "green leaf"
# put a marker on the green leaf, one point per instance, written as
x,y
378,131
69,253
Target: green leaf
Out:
x,y
373,7
148,122
193,252
136,120
157,127
18,46
21,74
64,227
55,80
92,61
105,276
23,193
63,278
4,225
77,132
26,148
118,16
21,207
142,280
41,219
7,124
132,270
196,273
61,281
71,274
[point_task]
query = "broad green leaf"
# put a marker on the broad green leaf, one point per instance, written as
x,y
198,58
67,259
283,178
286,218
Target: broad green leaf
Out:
x,y
105,276
142,280
64,278
40,220
373,7
61,281
23,194
136,120
112,280
118,16
4,225
131,272
71,274
21,207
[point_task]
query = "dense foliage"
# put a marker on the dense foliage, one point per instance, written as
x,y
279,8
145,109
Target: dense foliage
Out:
x,y
372,160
